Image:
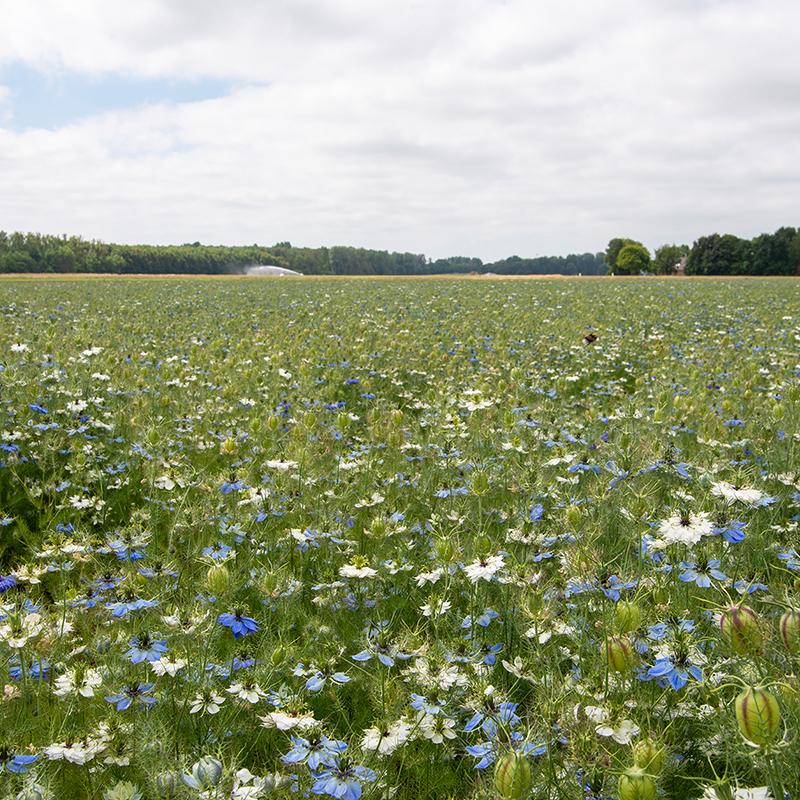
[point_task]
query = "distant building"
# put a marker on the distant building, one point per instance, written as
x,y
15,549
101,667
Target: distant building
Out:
x,y
268,270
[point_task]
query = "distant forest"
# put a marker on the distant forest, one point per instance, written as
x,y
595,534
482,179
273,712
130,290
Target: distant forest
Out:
x,y
768,254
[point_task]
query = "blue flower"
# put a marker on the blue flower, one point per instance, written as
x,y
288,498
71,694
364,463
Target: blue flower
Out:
x,y
38,409
16,764
239,624
321,752
7,582
318,680
488,719
122,608
342,782
732,532
129,695
144,649
701,575
665,673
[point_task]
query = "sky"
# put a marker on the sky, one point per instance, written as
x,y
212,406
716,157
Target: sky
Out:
x,y
447,127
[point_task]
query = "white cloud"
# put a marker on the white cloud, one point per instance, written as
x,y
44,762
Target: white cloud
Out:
x,y
471,126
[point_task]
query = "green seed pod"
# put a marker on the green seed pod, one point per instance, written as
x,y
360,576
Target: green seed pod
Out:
x,y
273,423
627,616
636,784
758,715
789,627
512,777
278,655
650,756
741,629
218,579
620,653
167,784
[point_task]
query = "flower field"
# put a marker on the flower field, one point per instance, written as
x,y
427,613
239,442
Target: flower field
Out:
x,y
399,539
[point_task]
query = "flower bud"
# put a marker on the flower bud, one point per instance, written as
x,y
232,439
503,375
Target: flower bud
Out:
x,y
228,447
758,715
512,777
627,616
218,579
650,756
789,627
273,423
636,784
620,654
740,627
167,784
206,774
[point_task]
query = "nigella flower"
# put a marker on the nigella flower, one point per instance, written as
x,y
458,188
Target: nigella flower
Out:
x,y
315,752
238,623
674,673
129,695
732,532
702,574
7,582
228,487
318,680
792,559
142,648
120,609
486,752
342,781
386,653
488,718
13,763
613,586
660,629
749,587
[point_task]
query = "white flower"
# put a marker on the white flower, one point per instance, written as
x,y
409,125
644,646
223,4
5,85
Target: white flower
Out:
x,y
622,733
484,568
167,666
683,529
386,741
756,793
250,693
742,494
436,728
436,608
206,703
17,636
429,577
19,347
281,466
69,683
357,571
164,482
286,721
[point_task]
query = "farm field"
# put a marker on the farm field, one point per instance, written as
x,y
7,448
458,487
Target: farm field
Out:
x,y
399,539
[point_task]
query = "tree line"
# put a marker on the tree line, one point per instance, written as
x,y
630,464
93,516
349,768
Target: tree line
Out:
x,y
767,254
34,252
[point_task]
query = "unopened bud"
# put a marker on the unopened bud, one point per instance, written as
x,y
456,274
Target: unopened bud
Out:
x,y
512,777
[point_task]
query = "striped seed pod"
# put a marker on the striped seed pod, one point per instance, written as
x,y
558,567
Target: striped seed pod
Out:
x,y
758,715
512,777
636,784
620,654
741,629
789,627
627,616
650,756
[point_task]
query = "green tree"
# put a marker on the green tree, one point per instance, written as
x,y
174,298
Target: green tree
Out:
x,y
668,256
633,258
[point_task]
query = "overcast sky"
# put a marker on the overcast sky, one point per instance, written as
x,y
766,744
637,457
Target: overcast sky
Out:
x,y
474,127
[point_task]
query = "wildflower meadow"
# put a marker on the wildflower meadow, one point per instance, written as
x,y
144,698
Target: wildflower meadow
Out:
x,y
411,539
